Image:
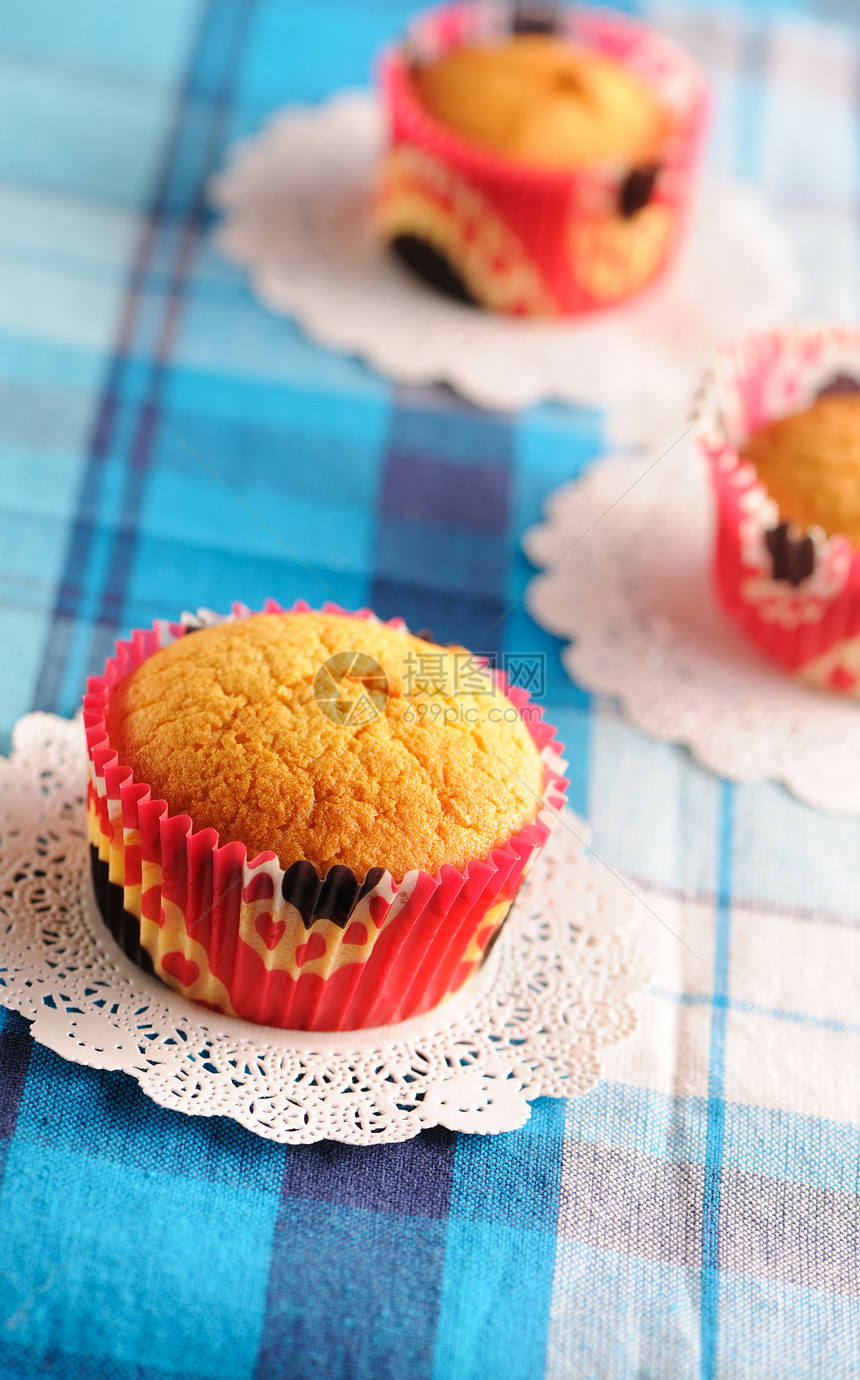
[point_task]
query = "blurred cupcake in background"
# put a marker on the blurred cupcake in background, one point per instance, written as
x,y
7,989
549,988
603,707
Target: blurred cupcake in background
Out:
x,y
540,161
779,422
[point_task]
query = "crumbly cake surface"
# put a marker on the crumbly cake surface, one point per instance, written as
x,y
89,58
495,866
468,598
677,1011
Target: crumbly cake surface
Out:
x,y
225,726
544,102
810,464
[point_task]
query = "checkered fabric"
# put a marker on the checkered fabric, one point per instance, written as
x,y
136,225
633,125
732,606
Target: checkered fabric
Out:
x,y
696,1215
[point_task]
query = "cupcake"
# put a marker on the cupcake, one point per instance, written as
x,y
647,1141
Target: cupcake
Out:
x,y
539,166
809,463
311,820
546,103
779,423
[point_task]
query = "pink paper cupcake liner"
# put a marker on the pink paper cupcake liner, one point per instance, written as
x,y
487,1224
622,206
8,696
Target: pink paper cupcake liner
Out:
x,y
795,594
284,947
525,240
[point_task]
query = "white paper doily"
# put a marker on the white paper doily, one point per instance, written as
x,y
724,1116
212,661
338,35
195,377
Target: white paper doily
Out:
x,y
634,593
553,992
295,203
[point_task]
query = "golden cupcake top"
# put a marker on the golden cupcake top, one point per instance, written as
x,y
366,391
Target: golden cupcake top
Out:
x,y
544,101
323,737
810,465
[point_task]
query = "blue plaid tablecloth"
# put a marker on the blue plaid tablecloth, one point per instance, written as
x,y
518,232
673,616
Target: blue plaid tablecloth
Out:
x,y
696,1214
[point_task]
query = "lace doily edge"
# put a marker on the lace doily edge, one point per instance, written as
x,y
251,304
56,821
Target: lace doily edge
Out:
x,y
505,1094
503,1081
469,377
748,761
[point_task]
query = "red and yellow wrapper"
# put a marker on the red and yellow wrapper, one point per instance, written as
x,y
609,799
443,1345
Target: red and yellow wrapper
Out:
x,y
796,594
523,240
285,947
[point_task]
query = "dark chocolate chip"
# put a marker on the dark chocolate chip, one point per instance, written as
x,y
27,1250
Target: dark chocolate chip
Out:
x,y
636,189
842,383
536,17
432,267
792,556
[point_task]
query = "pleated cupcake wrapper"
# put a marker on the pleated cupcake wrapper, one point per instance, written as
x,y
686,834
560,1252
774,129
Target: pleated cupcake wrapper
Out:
x,y
529,241
811,628
282,947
